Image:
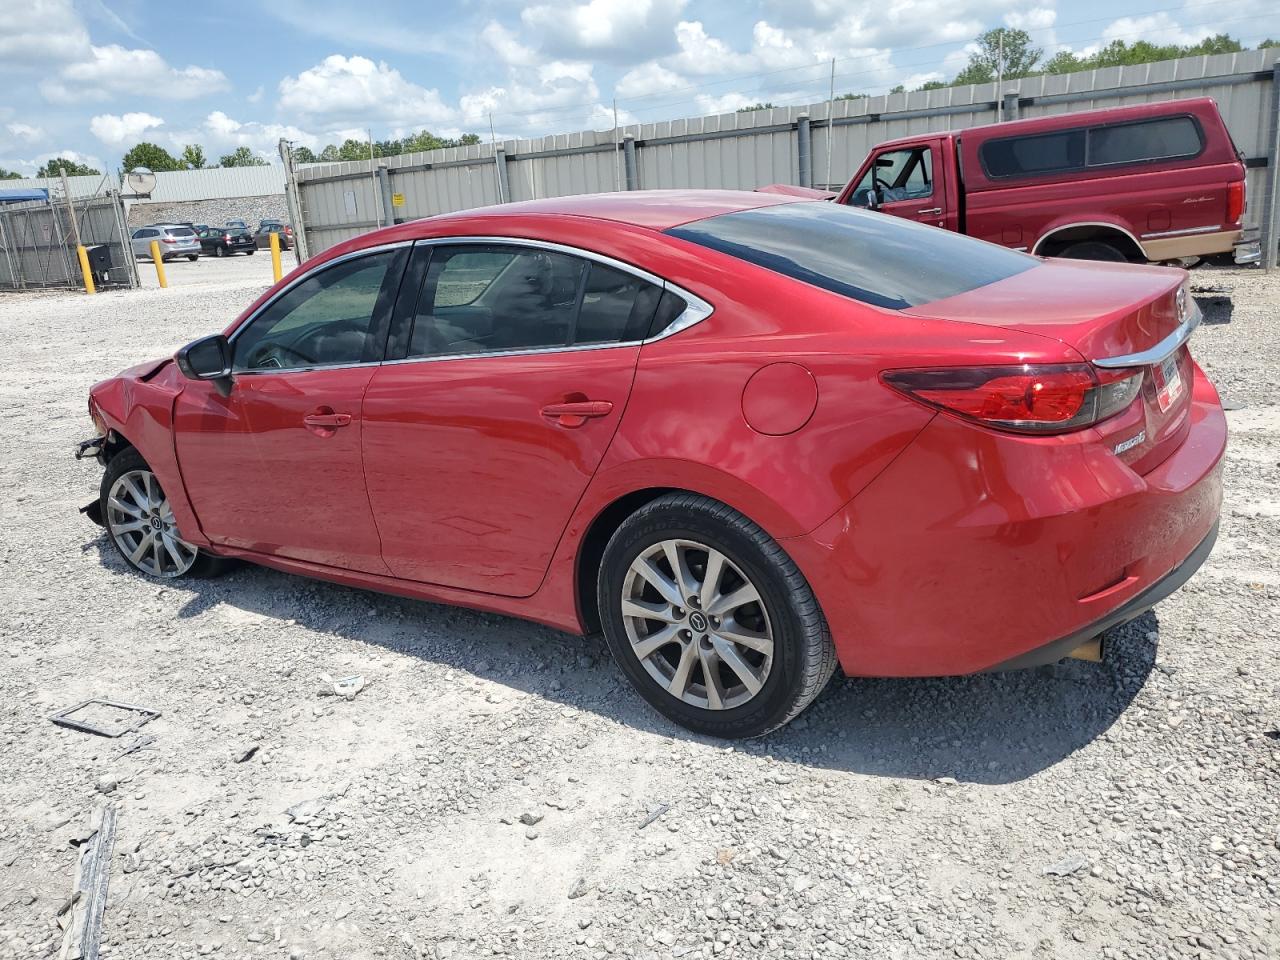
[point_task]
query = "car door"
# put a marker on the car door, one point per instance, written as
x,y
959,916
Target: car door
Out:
x,y
510,380
274,465
141,241
905,182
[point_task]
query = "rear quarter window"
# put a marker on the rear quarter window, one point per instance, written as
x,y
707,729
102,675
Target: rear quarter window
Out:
x,y
1142,141
871,257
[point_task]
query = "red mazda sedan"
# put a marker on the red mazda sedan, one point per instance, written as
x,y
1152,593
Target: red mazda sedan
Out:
x,y
748,437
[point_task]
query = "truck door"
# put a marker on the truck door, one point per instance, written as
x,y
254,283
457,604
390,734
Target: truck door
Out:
x,y
906,181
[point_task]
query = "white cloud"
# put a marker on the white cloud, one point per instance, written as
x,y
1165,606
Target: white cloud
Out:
x,y
25,131
648,79
115,70
1157,28
116,131
257,95
626,30
702,55
42,33
509,49
724,103
356,88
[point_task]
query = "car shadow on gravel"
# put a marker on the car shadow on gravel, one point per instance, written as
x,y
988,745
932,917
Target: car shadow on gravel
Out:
x,y
989,728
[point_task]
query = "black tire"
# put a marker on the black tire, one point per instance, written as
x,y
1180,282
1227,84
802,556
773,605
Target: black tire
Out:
x,y
803,657
127,460
1093,250
219,251
251,252
193,257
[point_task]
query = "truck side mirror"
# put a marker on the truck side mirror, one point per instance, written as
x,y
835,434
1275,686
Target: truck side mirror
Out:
x,y
873,198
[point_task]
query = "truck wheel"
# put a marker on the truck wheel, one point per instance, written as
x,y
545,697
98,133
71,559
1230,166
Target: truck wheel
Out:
x,y
1093,250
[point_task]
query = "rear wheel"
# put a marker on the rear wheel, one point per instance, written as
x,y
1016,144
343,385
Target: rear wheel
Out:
x,y
193,257
219,251
711,620
141,524
1093,250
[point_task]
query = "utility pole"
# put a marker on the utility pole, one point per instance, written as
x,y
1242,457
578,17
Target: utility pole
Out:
x,y
831,122
81,253
373,175
1000,78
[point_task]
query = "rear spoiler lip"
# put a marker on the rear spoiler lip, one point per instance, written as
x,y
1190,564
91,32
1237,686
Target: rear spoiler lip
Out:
x,y
1145,358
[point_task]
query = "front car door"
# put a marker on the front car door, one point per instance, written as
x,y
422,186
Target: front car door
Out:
x,y
901,181
275,465
512,377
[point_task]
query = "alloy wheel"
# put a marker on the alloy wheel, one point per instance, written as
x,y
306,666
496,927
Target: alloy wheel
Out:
x,y
697,624
141,522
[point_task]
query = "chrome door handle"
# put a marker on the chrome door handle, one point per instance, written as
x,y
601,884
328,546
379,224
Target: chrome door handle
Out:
x,y
327,420
922,213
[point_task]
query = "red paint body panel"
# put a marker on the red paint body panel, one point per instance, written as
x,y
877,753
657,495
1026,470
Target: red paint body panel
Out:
x,y
934,546
1149,201
459,455
261,480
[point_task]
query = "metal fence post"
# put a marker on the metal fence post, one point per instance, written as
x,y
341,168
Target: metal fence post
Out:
x,y
504,189
632,172
804,151
384,183
1271,204
1011,106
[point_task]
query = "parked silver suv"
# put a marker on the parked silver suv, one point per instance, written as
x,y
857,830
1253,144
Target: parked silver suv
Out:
x,y
175,241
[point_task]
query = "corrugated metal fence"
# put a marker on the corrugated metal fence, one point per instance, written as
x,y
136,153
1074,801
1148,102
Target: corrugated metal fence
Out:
x,y
216,183
37,243
748,150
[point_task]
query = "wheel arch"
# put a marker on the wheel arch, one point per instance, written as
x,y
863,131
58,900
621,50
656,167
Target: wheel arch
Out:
x,y
1065,234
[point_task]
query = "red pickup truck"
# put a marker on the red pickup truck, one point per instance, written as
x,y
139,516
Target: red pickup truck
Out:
x,y
1156,182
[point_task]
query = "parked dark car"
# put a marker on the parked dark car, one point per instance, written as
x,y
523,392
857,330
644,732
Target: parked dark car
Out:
x,y
224,241
268,227
238,223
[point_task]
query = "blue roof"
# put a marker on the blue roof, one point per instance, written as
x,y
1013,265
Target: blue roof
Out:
x,y
23,194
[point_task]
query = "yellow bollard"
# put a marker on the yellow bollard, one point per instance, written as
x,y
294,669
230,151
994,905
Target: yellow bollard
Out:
x,y
158,260
275,255
83,254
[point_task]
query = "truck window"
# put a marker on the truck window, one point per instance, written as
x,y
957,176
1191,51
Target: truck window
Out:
x,y
865,256
900,174
1143,141
1163,139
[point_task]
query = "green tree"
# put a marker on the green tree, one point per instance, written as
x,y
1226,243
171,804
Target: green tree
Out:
x,y
54,167
931,85
151,156
1268,43
898,89
1118,53
9,174
854,96
303,155
193,156
1019,57
756,106
241,157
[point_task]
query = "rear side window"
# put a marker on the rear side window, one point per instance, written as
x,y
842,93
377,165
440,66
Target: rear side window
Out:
x,y
616,306
1164,139
877,259
1146,141
182,232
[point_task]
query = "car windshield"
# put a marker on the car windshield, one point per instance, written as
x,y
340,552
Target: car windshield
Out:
x,y
871,257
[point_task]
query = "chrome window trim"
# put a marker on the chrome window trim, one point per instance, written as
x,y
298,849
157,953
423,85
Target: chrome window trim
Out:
x,y
1161,350
696,309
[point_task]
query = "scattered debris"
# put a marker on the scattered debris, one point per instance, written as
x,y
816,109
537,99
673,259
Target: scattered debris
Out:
x,y
1066,866
725,855
106,784
345,687
248,754
1271,734
81,916
138,743
531,819
579,889
98,713
654,815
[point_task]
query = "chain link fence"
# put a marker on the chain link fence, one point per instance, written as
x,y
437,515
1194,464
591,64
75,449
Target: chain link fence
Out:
x,y
38,244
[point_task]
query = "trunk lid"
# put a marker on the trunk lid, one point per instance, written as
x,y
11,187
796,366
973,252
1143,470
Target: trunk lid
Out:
x,y
1120,318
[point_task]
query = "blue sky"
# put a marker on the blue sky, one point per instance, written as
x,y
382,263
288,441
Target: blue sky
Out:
x,y
92,77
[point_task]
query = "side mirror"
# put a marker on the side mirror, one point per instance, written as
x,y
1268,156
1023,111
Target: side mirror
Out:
x,y
208,358
873,198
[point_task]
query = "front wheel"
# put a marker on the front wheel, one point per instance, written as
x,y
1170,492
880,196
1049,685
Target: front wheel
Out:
x,y
141,524
193,257
711,620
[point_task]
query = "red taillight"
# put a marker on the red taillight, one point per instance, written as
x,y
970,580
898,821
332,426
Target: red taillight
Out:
x,y
1030,398
1235,201
169,239
226,238
289,230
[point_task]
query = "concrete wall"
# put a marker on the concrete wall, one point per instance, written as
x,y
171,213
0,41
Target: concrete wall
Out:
x,y
214,212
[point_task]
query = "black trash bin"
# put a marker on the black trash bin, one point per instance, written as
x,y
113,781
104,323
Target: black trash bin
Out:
x,y
99,262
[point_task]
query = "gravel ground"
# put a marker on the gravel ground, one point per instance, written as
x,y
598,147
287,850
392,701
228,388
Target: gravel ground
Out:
x,y
487,793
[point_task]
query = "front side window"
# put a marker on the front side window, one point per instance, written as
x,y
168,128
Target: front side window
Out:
x,y
330,318
897,175
885,261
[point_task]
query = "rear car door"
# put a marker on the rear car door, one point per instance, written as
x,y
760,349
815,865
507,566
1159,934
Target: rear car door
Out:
x,y
508,384
275,466
906,181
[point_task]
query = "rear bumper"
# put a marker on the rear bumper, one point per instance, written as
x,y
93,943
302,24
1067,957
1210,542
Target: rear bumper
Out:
x,y
1249,248
975,549
1190,245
